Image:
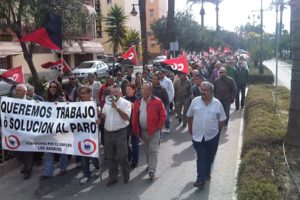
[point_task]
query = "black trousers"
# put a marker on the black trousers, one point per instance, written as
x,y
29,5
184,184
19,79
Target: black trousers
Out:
x,y
27,158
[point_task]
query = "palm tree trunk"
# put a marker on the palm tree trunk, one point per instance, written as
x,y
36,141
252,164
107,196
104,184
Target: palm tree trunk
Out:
x,y
293,132
142,8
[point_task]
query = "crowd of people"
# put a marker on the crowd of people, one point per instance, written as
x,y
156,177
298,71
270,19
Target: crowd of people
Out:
x,y
135,108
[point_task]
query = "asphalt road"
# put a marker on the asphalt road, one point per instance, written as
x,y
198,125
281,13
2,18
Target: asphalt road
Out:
x,y
284,72
174,179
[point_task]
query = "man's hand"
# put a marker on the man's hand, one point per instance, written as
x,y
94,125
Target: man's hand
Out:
x,y
114,105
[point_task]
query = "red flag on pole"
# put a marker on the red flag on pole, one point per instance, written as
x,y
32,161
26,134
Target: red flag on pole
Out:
x,y
179,64
204,54
211,50
16,74
59,65
130,54
226,50
48,36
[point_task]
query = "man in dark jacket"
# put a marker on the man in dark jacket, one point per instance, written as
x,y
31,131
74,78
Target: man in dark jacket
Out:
x,y
225,91
159,91
241,80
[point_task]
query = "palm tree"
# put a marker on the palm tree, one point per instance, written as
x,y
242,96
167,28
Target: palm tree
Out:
x,y
217,3
293,135
115,27
132,38
142,9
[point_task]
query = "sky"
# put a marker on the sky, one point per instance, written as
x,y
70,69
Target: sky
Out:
x,y
233,13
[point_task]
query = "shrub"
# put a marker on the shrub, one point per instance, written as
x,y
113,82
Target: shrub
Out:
x,y
261,174
255,78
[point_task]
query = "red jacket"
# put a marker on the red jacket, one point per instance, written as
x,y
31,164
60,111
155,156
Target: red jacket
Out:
x,y
156,116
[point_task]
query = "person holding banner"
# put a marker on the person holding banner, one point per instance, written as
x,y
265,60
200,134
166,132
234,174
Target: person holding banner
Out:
x,y
85,94
26,157
54,94
116,114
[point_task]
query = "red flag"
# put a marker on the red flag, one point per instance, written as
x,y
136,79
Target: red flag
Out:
x,y
48,36
204,54
130,54
226,50
211,50
16,74
179,64
59,65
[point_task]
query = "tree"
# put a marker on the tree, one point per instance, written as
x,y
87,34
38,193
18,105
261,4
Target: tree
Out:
x,y
217,3
132,38
116,28
142,8
293,136
24,16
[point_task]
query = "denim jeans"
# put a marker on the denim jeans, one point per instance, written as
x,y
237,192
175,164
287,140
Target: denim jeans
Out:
x,y
167,123
240,89
226,105
49,163
134,150
206,151
85,165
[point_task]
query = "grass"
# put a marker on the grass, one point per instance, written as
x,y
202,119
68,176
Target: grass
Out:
x,y
262,173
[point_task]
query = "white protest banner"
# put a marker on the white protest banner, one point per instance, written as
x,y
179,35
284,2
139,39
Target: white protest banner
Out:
x,y
68,128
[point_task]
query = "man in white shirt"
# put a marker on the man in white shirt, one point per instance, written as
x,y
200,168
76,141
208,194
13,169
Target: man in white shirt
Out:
x,y
166,83
26,157
95,86
117,115
206,118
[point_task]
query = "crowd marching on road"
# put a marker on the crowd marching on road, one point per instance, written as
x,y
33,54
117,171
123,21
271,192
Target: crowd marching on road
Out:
x,y
135,109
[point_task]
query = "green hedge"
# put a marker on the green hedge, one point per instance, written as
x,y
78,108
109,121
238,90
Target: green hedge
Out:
x,y
261,173
256,78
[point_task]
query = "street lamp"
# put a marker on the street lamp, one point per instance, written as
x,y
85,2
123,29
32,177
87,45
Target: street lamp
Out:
x,y
133,11
202,13
142,8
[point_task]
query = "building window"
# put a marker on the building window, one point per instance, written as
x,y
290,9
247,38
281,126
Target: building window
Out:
x,y
152,43
152,1
109,1
151,12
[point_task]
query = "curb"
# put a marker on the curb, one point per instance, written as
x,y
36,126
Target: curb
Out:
x,y
8,166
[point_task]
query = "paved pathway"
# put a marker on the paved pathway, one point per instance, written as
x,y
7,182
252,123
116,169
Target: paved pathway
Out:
x,y
175,175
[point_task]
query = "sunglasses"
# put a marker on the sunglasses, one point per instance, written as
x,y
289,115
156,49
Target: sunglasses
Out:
x,y
52,86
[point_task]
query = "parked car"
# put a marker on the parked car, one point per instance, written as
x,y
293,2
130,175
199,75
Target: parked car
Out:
x,y
158,59
110,61
6,87
96,67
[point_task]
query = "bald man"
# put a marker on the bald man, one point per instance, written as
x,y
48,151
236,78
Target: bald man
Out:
x,y
26,157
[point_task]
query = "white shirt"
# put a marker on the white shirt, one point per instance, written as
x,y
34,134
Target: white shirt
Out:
x,y
206,118
168,85
143,114
113,120
95,90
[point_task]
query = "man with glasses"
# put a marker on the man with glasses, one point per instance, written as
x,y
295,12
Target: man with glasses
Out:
x,y
206,118
85,94
116,115
71,88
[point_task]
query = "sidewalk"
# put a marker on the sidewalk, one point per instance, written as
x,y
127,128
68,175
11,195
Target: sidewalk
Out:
x,y
174,179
